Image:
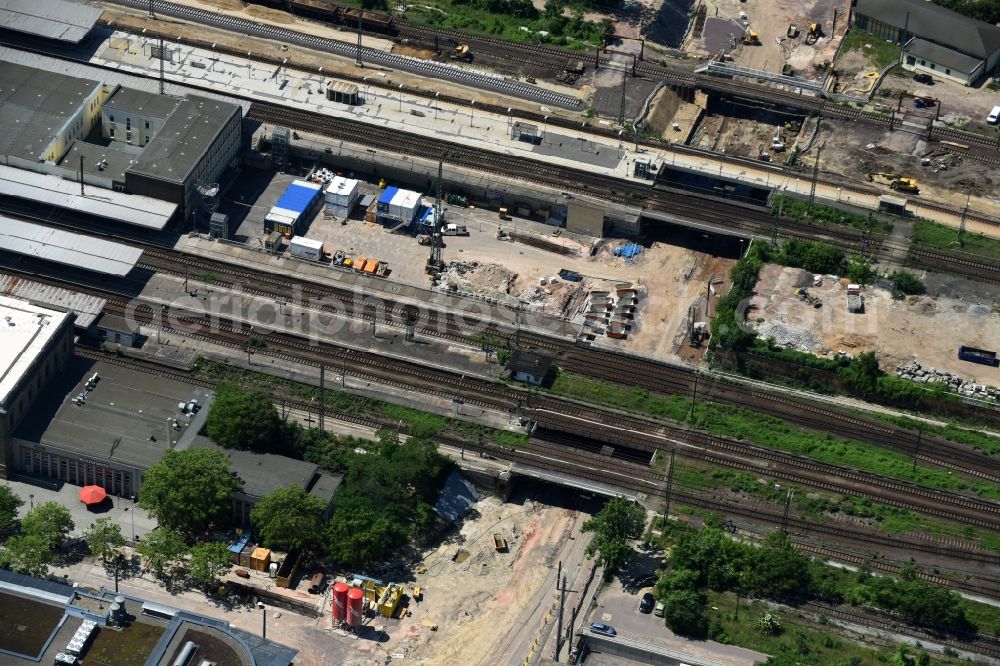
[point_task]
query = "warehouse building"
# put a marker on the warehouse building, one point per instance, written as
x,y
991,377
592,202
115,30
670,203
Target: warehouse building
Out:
x,y
36,342
173,149
935,40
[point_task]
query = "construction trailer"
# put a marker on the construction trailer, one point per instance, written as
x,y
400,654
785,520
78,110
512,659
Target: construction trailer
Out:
x,y
293,209
398,205
341,196
306,248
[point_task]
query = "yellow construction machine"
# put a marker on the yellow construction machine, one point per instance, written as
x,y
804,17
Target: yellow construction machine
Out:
x,y
897,182
461,52
384,598
814,33
751,38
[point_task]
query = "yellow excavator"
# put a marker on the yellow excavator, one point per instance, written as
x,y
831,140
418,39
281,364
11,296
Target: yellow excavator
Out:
x,y
897,182
461,52
814,33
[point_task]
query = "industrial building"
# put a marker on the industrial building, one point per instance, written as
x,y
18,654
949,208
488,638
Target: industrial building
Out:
x,y
51,19
36,343
174,149
935,40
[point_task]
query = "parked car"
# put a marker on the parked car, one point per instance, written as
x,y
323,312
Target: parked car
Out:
x,y
658,611
647,602
922,102
605,629
926,79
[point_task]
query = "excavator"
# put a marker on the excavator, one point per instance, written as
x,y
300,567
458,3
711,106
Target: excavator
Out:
x,y
897,182
751,38
461,52
814,33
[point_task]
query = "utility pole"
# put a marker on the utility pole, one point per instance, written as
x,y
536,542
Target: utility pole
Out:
x,y
916,450
434,263
322,396
81,175
359,63
788,505
562,601
621,109
152,10
961,225
670,484
812,189
694,394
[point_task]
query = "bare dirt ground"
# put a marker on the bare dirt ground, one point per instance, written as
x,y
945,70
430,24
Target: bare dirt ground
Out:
x,y
921,328
770,20
946,181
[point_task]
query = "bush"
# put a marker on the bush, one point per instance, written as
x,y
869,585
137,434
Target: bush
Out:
x,y
908,283
813,256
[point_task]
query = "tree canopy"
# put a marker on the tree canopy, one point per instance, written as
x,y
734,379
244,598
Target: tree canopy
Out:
x,y
241,419
161,547
187,490
618,521
51,521
288,518
208,562
28,554
104,537
10,504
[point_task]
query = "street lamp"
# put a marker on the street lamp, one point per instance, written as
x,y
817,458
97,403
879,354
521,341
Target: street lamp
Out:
x,y
545,126
436,96
400,97
263,610
472,111
31,498
132,516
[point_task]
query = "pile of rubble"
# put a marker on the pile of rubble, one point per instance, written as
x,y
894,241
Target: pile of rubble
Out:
x,y
473,278
789,336
917,373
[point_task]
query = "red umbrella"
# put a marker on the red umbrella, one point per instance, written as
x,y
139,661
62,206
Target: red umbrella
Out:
x,y
92,495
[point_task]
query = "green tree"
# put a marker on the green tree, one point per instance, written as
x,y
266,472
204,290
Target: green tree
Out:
x,y
51,521
362,536
908,283
859,270
862,373
779,571
288,518
104,537
161,547
10,504
245,420
208,562
188,490
614,525
684,613
29,554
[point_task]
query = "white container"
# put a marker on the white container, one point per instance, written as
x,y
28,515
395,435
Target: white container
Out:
x,y
342,191
404,205
306,248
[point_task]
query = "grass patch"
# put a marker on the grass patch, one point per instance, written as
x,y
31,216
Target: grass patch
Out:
x,y
27,624
798,209
416,422
953,432
130,647
881,54
941,237
767,431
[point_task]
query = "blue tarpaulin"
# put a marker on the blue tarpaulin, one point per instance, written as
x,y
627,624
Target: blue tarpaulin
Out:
x,y
297,198
628,250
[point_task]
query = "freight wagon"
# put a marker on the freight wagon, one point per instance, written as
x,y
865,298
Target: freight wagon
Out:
x,y
981,356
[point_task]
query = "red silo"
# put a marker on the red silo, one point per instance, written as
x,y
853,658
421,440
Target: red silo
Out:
x,y
340,601
355,606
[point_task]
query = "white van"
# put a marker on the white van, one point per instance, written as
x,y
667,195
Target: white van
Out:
x,y
994,116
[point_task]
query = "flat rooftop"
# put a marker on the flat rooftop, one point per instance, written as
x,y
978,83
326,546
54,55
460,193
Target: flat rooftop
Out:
x,y
25,330
34,104
263,473
53,19
63,247
86,307
182,140
102,161
126,419
134,209
141,102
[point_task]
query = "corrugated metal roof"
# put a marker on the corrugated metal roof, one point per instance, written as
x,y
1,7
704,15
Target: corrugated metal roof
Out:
x,y
55,19
126,208
87,307
63,247
298,196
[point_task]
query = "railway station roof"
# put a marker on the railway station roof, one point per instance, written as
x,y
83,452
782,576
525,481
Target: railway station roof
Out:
x,y
86,307
132,209
53,19
64,247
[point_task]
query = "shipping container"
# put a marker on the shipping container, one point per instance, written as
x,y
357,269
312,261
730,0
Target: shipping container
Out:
x,y
404,206
293,207
306,248
371,265
385,199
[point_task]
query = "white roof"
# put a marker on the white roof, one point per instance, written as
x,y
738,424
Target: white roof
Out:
x,y
86,307
25,330
63,247
306,183
281,215
134,209
56,19
406,199
341,185
307,242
